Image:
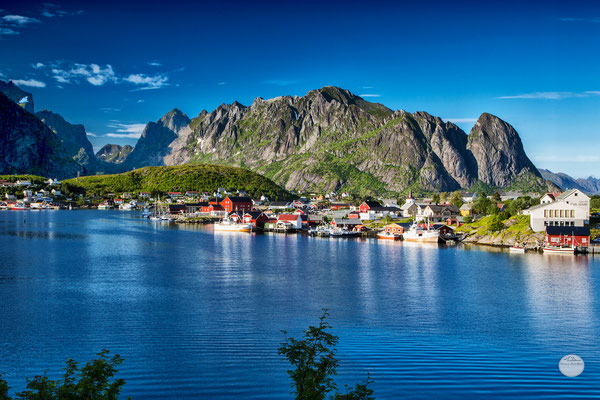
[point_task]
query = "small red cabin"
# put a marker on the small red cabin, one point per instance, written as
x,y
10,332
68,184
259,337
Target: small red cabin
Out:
x,y
237,203
578,236
367,205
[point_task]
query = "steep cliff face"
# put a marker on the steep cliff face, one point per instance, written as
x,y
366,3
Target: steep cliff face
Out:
x,y
18,95
153,146
73,138
27,145
589,185
113,153
498,151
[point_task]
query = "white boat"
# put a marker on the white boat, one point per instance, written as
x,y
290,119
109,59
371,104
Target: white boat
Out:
x,y
418,233
104,206
166,218
559,250
227,225
388,235
517,249
126,206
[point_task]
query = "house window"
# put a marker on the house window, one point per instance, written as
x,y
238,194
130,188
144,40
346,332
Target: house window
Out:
x,y
545,223
572,213
545,213
572,223
562,213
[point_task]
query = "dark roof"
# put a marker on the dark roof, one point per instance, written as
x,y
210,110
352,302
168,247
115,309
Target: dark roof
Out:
x,y
253,214
391,209
200,204
239,199
568,230
372,203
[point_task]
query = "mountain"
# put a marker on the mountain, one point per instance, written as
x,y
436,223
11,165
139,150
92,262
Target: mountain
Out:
x,y
331,139
153,145
113,153
16,94
73,138
27,145
590,185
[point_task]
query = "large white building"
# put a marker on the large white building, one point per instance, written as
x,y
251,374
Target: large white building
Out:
x,y
570,208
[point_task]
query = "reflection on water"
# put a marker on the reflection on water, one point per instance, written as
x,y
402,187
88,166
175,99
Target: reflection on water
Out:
x,y
198,314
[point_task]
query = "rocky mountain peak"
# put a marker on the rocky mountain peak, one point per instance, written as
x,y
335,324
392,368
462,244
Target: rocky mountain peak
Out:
x,y
17,95
498,151
174,120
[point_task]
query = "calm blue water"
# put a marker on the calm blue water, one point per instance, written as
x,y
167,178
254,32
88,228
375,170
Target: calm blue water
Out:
x,y
198,314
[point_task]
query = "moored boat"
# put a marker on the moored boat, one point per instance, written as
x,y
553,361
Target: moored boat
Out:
x,y
227,225
567,250
421,233
388,235
516,249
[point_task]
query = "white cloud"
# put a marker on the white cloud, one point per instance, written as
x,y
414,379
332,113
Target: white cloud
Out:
x,y
140,101
110,110
148,82
8,31
221,83
369,95
91,134
18,19
131,131
368,87
38,65
92,73
552,95
29,82
460,120
154,63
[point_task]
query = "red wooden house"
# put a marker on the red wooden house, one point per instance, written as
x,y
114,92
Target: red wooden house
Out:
x,y
578,236
237,203
367,205
256,218
394,228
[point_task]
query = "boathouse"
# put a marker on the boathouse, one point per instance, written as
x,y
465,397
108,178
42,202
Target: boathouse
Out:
x,y
578,236
237,203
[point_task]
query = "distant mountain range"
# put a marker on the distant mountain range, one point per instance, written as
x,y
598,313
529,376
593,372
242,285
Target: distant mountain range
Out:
x,y
327,140
588,185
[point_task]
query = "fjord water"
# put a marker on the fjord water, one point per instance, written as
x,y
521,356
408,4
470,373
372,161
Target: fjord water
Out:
x,y
198,314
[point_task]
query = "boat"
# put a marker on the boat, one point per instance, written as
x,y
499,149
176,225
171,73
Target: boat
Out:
x,y
516,249
126,206
18,206
338,232
559,250
420,233
147,213
166,218
104,206
388,235
227,225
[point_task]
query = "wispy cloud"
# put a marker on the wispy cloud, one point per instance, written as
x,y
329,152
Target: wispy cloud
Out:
x,y
368,87
154,63
91,134
8,31
460,120
19,20
51,10
130,131
280,82
369,95
108,110
38,65
148,82
552,95
592,20
221,83
140,101
92,73
29,82
581,158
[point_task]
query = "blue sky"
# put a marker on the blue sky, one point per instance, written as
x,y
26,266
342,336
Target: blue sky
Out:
x,y
114,68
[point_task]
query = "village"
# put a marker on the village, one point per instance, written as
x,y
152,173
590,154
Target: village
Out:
x,y
565,219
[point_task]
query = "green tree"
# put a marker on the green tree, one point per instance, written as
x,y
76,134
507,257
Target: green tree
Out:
x,y
315,364
435,199
496,224
496,197
456,199
92,382
444,197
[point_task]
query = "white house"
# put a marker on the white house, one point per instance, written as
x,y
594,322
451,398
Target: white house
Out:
x,y
469,197
56,192
571,208
23,183
27,193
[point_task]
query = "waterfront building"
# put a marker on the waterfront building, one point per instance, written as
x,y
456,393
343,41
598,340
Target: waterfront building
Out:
x,y
576,236
570,208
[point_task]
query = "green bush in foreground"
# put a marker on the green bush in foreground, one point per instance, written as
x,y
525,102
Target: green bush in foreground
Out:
x,y
92,382
316,364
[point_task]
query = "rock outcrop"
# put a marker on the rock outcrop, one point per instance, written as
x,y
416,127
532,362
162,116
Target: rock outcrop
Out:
x,y
113,153
18,95
27,145
153,146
